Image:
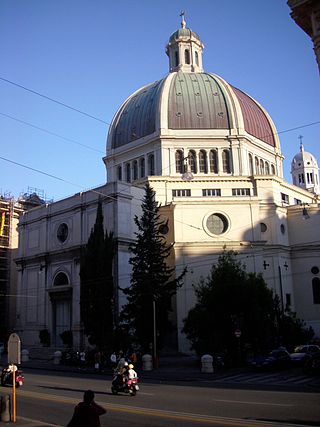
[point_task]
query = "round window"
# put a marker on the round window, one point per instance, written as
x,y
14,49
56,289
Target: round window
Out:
x,y
217,223
315,270
62,232
263,227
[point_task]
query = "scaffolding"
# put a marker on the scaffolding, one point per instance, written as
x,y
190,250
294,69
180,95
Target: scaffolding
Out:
x,y
10,211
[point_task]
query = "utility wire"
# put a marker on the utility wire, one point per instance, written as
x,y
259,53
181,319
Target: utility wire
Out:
x,y
52,133
54,100
74,184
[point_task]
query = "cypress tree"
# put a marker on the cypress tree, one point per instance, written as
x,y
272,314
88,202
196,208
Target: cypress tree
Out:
x,y
97,286
153,282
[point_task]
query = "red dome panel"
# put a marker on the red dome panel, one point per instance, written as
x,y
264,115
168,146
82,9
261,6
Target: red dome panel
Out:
x,y
255,121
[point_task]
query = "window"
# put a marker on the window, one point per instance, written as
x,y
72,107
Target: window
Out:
x,y
250,165
211,192
192,159
226,161
288,300
284,198
217,224
213,159
256,164
282,228
135,170
241,191
128,172
179,161
316,290
181,193
196,58
297,202
151,164
187,56
62,232
267,168
176,58
142,167
261,167
315,270
263,227
119,173
273,170
203,168
61,279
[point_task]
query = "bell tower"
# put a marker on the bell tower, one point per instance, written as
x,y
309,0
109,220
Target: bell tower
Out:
x,y
305,170
185,50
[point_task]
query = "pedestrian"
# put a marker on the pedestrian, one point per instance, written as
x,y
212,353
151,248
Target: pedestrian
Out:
x,y
97,361
82,357
113,360
87,412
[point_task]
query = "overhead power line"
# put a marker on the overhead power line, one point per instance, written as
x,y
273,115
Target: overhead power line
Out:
x,y
51,133
54,100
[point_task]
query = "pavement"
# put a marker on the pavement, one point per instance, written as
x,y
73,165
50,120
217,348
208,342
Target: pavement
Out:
x,y
171,368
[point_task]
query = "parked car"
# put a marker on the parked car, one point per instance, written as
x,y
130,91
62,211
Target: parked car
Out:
x,y
301,353
276,359
312,364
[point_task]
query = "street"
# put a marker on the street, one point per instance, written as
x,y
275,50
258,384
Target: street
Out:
x,y
51,397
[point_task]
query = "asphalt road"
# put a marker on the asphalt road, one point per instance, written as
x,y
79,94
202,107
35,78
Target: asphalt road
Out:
x,y
50,397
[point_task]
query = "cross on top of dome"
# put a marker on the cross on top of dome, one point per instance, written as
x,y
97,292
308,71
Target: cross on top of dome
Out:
x,y
183,22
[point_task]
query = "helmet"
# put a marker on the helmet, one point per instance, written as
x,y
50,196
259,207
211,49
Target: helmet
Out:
x,y
131,366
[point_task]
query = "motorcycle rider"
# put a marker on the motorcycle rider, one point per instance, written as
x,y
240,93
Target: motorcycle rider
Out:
x,y
120,372
7,372
131,372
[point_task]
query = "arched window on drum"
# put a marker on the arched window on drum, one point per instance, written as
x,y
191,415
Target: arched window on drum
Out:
x,y
179,161
226,164
203,164
192,159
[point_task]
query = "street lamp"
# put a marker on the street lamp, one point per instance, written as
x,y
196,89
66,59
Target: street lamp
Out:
x,y
187,175
155,362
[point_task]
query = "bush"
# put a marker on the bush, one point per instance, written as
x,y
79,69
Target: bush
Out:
x,y
44,337
67,338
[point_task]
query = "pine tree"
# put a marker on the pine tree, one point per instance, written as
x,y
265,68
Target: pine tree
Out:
x,y
153,282
96,284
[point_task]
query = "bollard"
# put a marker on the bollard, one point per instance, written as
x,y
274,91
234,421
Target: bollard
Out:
x,y
206,363
5,408
147,362
24,355
57,357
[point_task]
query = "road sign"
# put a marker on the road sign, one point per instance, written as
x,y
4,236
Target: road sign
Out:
x,y
237,333
14,349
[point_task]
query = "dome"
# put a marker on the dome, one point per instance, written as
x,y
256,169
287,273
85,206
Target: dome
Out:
x,y
183,33
191,114
189,101
303,159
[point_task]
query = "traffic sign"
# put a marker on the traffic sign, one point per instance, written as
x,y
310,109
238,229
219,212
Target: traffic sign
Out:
x,y
14,349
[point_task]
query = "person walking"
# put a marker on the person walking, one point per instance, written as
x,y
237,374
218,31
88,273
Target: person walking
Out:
x,y
87,412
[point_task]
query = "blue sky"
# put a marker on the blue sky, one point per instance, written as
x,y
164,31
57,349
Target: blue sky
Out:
x,y
92,54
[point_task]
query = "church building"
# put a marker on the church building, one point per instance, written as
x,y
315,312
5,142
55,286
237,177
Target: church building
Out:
x,y
213,157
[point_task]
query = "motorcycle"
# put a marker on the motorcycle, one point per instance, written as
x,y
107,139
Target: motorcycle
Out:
x,y
7,377
122,385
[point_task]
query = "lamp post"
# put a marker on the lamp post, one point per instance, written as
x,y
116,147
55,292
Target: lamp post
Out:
x,y
155,361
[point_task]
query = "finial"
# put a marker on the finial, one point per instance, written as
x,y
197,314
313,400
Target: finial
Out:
x,y
183,22
301,145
